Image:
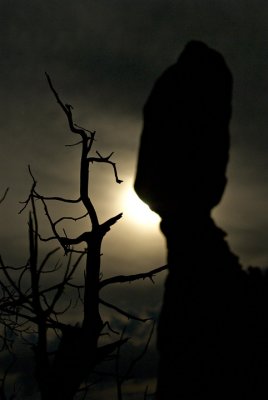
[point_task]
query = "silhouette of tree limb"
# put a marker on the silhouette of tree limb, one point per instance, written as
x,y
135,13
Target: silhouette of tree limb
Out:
x,y
120,311
4,195
132,278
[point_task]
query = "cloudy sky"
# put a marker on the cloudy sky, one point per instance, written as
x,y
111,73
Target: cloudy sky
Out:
x,y
103,57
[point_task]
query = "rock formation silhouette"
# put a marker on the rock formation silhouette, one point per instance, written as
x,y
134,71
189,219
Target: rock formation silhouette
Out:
x,y
212,330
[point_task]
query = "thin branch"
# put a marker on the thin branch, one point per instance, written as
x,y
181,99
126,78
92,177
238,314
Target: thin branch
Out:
x,y
71,218
106,226
86,130
74,144
17,268
46,258
13,284
4,195
56,198
28,200
67,110
132,278
106,160
126,314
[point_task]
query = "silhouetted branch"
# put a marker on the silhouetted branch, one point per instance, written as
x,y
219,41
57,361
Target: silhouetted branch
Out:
x,y
105,227
4,195
67,110
132,278
122,312
70,218
106,160
57,198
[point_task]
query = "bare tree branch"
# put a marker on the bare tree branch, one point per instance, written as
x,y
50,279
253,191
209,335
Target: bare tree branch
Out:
x,y
132,278
120,311
4,195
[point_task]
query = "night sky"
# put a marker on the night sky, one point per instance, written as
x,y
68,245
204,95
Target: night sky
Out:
x,y
103,57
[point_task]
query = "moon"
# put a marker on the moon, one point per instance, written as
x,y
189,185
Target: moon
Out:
x,y
137,211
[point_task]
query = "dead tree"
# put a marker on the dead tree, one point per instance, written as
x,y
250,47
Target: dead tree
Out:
x,y
30,308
